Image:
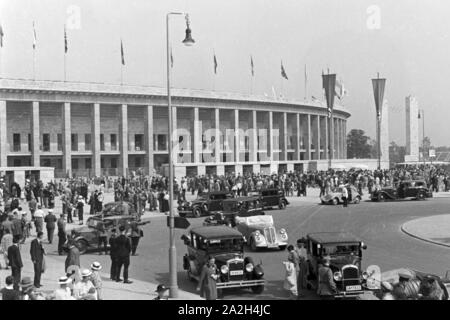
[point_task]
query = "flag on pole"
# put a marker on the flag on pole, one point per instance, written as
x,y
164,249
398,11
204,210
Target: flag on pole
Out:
x,y
171,58
65,40
252,66
121,52
215,64
1,36
34,37
340,90
283,73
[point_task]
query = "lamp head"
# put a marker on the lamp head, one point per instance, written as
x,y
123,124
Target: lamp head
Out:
x,y
188,41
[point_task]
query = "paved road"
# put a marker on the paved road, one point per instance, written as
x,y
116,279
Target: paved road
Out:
x,y
378,224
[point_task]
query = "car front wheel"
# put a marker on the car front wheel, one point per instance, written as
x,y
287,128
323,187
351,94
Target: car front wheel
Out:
x,y
335,201
282,205
421,196
357,200
197,212
381,197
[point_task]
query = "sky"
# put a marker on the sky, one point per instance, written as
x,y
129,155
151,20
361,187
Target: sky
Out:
x,y
406,41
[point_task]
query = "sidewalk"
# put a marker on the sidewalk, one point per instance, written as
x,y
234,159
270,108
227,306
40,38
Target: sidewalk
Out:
x,y
434,229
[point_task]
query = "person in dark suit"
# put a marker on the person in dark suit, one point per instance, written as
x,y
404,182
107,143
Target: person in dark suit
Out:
x,y
73,256
15,262
50,220
113,254
37,256
62,237
123,250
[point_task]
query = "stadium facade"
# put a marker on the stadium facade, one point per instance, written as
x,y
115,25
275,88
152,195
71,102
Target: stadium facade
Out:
x,y
93,129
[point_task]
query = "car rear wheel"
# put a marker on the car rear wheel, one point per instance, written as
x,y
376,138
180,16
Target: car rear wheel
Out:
x,y
357,199
335,201
82,246
420,196
381,197
197,212
258,289
282,205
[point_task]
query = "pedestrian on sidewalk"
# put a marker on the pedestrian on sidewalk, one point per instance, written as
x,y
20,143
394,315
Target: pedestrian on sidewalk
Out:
x,y
50,220
123,247
73,256
26,227
113,254
39,219
82,290
37,257
208,278
32,206
62,237
102,237
17,230
96,279
9,292
7,241
344,195
80,205
69,210
63,292
15,262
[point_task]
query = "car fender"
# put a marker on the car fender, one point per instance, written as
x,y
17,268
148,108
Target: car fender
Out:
x,y
262,239
280,240
81,238
258,271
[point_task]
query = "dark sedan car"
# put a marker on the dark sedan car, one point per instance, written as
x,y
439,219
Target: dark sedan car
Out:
x,y
205,204
416,189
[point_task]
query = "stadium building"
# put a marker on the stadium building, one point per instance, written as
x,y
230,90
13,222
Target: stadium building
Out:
x,y
93,129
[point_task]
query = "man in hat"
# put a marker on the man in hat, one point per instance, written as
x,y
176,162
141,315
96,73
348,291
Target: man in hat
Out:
x,y
113,254
62,237
96,279
161,290
28,290
15,261
327,287
123,250
81,290
399,291
50,220
7,241
37,257
80,206
63,292
102,238
73,256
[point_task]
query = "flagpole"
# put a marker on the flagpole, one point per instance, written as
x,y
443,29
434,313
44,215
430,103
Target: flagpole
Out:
x,y
121,74
64,67
306,86
34,64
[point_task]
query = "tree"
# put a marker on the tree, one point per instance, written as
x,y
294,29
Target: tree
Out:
x,y
396,153
358,145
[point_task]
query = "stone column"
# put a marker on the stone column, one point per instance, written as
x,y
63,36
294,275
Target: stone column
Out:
x,y
3,136
254,142
318,146
345,139
217,130
35,135
95,128
308,140
237,135
123,140
67,137
174,141
270,135
297,134
149,165
197,148
285,137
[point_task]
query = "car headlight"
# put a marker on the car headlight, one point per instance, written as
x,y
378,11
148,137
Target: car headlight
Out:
x,y
337,276
249,267
224,269
365,275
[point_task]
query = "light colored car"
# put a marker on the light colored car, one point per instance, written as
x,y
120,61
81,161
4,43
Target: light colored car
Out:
x,y
336,196
260,232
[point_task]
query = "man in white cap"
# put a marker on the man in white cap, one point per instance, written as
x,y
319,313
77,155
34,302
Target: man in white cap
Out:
x,y
96,279
63,292
50,223
82,289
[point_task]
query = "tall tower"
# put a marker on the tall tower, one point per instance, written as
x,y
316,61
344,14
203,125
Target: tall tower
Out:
x,y
412,130
384,133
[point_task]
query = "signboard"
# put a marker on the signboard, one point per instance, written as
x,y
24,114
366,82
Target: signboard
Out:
x,y
432,153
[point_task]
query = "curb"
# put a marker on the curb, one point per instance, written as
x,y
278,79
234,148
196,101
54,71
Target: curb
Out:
x,y
403,229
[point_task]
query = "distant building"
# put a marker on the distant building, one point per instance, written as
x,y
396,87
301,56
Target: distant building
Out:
x,y
412,130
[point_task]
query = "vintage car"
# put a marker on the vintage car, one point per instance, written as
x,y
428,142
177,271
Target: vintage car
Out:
x,y
440,290
226,245
205,204
86,237
119,208
260,232
336,196
346,254
271,198
416,189
232,208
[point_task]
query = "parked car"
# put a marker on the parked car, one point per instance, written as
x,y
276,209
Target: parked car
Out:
x,y
336,196
346,255
226,245
205,204
271,198
260,232
118,208
86,237
232,208
416,189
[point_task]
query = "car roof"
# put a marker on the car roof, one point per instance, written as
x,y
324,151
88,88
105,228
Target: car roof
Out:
x,y
214,232
333,237
241,199
218,192
98,217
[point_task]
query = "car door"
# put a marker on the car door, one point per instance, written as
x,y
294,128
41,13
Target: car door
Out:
x,y
214,202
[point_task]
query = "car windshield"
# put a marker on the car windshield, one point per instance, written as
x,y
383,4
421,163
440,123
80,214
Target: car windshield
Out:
x,y
340,249
220,245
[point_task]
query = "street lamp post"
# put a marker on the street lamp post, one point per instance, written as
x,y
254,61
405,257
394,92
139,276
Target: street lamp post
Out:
x,y
188,41
378,92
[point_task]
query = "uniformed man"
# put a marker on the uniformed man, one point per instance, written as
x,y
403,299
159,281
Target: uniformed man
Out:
x,y
327,287
399,291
